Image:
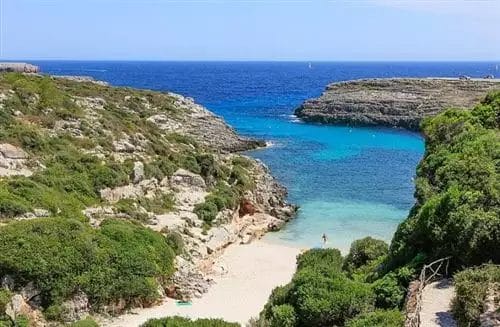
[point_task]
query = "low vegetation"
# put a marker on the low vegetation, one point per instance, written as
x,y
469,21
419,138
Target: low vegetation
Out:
x,y
119,261
457,214
472,287
72,133
457,190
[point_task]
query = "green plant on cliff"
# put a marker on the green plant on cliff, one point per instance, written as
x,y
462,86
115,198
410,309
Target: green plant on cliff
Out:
x,y
471,287
457,190
120,260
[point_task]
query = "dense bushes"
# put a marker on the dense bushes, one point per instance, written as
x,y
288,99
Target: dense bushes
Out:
x,y
471,289
363,252
224,195
320,294
378,318
457,190
120,260
70,182
185,322
85,323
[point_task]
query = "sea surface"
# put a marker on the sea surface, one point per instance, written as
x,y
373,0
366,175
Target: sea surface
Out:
x,y
349,182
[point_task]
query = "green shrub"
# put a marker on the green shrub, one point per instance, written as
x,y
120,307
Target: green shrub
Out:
x,y
223,197
160,168
241,178
283,316
326,298
85,323
190,163
11,205
364,251
118,261
456,213
471,289
185,322
5,296
175,241
378,318
242,161
389,293
206,211
53,312
22,321
325,259
319,293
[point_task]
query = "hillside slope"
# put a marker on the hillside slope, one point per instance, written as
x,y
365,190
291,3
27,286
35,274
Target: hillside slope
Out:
x,y
113,197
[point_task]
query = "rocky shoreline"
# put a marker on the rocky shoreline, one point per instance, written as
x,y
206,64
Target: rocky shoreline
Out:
x,y
393,102
185,129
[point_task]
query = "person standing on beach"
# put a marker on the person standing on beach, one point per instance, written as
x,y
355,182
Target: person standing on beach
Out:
x,y
325,239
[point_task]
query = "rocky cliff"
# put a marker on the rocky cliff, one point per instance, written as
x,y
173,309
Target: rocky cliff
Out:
x,y
82,161
20,67
394,102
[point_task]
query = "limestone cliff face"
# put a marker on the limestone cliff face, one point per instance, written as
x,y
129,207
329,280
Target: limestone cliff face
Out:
x,y
94,153
394,102
18,67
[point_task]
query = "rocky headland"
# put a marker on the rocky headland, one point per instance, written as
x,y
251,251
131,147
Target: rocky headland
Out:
x,y
20,67
393,102
79,152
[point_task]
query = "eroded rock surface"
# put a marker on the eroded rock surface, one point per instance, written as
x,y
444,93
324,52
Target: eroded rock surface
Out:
x,y
394,102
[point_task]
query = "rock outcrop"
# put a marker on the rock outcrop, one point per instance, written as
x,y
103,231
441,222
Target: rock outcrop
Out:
x,y
20,67
158,157
394,102
13,161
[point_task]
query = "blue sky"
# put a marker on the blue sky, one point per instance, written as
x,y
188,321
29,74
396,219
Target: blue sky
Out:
x,y
251,29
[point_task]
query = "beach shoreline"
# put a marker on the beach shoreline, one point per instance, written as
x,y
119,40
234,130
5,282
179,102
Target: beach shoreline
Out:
x,y
241,287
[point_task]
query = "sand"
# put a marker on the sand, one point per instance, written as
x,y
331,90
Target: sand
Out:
x,y
252,271
436,304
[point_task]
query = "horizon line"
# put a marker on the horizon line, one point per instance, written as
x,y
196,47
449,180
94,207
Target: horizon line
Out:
x,y
260,60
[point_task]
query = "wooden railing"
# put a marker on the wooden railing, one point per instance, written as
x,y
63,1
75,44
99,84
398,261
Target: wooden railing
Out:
x,y
429,273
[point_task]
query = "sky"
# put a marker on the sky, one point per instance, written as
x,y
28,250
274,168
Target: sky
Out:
x,y
296,30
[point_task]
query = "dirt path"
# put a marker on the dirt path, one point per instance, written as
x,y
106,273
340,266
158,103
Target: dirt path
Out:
x,y
436,304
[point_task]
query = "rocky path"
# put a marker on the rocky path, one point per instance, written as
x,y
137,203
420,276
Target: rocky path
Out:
x,y
436,304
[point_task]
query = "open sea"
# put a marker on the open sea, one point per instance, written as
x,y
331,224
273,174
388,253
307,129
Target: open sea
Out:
x,y
349,182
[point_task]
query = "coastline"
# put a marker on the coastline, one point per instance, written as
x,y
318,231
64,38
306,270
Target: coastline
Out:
x,y
246,275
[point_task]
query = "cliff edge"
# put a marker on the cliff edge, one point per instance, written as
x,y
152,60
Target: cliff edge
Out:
x,y
393,102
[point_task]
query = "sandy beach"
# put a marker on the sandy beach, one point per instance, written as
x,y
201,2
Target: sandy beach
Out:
x,y
251,273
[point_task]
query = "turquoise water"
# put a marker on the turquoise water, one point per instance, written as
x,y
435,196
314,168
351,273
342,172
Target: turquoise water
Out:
x,y
349,182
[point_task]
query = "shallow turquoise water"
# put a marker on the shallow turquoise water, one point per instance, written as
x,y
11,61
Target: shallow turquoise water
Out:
x,y
349,182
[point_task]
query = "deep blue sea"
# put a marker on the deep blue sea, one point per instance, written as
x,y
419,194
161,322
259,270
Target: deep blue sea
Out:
x,y
349,182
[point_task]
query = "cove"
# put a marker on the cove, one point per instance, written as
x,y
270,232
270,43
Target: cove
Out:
x,y
349,182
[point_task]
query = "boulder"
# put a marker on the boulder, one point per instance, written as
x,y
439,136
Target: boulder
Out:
x,y
246,208
184,178
220,238
7,282
75,308
138,171
19,307
12,152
